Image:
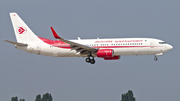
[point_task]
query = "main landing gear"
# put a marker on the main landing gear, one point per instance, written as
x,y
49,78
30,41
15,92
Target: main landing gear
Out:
x,y
89,60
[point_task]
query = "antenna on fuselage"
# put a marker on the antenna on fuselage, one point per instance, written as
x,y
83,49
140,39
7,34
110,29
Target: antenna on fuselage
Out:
x,y
79,38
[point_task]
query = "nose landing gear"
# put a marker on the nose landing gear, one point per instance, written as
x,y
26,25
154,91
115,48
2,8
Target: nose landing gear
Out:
x,y
159,54
155,58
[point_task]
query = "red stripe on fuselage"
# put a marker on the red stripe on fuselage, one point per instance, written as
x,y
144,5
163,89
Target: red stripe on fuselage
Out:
x,y
56,43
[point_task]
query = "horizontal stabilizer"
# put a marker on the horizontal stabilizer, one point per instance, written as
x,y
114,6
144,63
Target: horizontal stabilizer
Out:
x,y
16,43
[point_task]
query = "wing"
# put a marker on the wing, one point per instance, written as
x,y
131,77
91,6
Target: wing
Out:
x,y
82,49
16,43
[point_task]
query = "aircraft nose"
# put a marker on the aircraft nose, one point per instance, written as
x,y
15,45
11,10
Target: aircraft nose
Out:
x,y
169,47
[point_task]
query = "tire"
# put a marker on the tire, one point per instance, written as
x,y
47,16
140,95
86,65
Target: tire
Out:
x,y
88,60
92,61
155,59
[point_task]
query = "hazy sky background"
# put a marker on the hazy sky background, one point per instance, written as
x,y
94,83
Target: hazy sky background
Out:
x,y
71,79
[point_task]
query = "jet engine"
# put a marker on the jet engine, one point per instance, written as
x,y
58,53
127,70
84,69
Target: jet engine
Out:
x,y
107,54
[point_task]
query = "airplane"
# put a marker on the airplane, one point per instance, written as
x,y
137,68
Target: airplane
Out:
x,y
108,49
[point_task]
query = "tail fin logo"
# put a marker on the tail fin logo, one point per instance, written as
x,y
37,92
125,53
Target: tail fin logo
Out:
x,y
21,30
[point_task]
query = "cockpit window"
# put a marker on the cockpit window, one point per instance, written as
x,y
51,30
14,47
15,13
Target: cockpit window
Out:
x,y
162,43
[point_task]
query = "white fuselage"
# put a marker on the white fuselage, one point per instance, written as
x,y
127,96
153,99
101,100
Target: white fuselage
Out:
x,y
121,46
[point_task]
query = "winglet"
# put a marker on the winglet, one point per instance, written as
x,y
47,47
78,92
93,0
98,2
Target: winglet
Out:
x,y
55,34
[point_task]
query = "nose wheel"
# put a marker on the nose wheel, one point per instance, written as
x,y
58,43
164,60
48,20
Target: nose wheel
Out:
x,y
155,58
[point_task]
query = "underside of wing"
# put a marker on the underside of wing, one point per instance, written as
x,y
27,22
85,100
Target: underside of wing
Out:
x,y
82,49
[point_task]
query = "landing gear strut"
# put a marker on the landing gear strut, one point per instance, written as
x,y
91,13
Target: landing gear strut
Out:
x,y
155,58
89,60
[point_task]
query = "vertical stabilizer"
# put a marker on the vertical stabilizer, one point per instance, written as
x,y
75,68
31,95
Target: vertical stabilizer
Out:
x,y
22,32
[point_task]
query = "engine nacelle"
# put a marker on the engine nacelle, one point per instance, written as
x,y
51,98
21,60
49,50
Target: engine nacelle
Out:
x,y
112,58
105,53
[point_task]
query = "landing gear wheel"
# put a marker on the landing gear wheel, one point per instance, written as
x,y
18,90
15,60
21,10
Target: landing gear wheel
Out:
x,y
155,59
92,61
88,60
